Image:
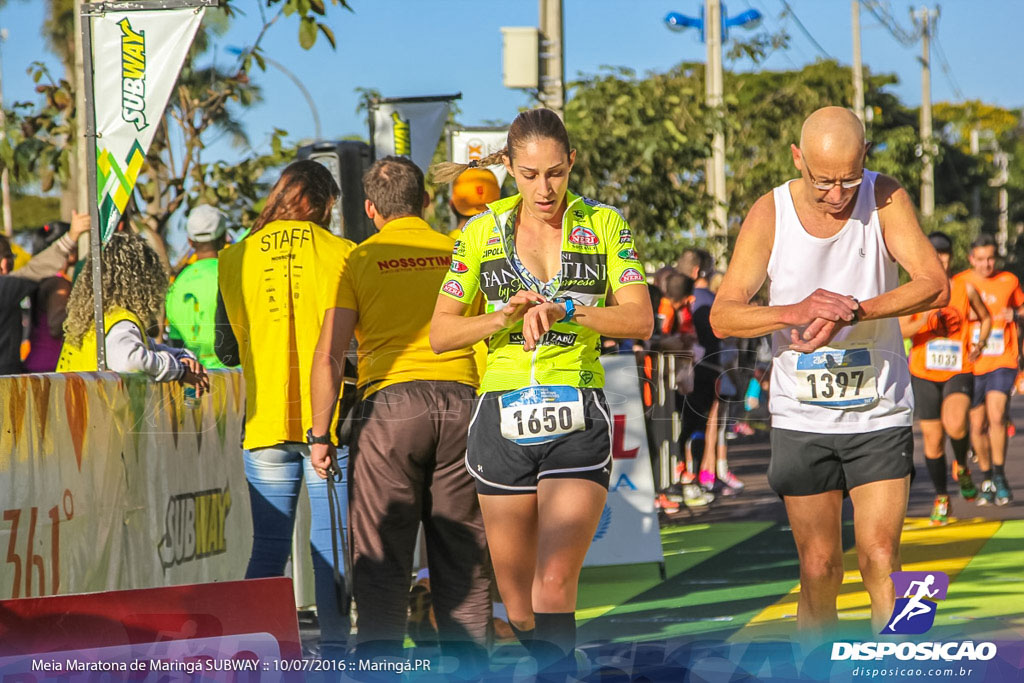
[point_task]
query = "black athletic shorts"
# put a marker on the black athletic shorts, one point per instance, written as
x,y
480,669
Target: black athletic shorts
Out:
x,y
806,463
929,395
502,467
1000,379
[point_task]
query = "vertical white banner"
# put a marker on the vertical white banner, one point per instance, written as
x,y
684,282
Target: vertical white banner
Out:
x,y
136,59
471,144
409,129
628,532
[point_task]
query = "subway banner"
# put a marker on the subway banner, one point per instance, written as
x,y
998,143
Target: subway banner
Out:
x,y
136,57
473,144
111,482
409,127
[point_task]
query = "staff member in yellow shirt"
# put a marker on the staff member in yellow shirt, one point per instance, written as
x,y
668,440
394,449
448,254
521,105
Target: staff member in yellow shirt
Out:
x,y
407,452
275,286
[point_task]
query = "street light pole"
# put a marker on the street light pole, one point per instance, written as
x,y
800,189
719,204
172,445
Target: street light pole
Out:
x,y
552,86
858,67
718,227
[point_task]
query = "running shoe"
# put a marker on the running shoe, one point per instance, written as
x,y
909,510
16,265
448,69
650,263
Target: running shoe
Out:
x,y
1011,429
730,480
695,496
988,493
743,429
940,511
962,476
1003,493
707,480
665,504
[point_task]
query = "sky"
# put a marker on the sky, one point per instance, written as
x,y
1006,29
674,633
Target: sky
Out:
x,y
426,47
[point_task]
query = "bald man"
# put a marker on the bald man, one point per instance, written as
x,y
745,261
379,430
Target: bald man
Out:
x,y
841,403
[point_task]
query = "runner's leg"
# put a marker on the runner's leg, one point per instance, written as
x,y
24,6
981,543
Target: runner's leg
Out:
x,y
879,509
979,439
934,453
511,525
816,521
995,409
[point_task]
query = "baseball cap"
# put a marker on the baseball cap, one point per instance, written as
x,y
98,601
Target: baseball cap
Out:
x,y
206,224
941,241
473,190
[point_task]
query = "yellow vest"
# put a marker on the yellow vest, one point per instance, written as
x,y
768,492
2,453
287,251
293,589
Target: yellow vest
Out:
x,y
83,358
277,284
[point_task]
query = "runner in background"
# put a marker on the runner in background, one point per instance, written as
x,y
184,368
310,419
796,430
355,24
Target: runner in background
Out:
x,y
275,287
941,363
995,370
191,303
472,191
49,304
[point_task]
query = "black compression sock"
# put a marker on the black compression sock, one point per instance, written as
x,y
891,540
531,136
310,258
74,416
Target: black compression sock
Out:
x,y
986,475
937,472
554,638
998,470
960,448
526,638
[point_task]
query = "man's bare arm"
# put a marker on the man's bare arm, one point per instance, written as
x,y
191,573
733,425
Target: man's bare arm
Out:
x,y
929,286
732,314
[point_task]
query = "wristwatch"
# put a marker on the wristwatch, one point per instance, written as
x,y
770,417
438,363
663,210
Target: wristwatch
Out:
x,y
310,439
570,308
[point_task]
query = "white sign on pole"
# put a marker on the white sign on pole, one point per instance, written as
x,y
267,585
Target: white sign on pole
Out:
x,y
136,57
409,129
628,532
470,144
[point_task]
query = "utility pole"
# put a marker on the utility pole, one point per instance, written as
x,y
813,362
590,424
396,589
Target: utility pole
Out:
x,y
1002,163
718,229
552,79
976,193
5,176
925,18
858,67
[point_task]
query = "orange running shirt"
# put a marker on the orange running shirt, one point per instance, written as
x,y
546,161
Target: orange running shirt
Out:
x,y
936,358
1002,296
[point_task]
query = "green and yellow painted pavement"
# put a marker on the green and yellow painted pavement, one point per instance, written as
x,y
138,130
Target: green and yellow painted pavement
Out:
x,y
740,581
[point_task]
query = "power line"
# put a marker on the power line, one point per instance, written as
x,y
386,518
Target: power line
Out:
x,y
803,29
946,70
882,13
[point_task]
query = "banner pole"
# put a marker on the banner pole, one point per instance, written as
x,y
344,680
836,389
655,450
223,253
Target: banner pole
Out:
x,y
95,252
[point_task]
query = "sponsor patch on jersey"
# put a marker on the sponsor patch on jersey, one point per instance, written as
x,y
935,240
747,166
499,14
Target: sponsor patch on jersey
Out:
x,y
629,255
460,248
454,288
494,240
583,236
564,340
625,236
458,267
628,275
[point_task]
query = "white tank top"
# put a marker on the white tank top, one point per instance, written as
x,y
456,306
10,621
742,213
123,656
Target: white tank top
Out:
x,y
864,385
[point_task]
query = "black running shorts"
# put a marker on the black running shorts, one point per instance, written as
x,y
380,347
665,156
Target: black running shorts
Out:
x,y
929,395
806,463
502,467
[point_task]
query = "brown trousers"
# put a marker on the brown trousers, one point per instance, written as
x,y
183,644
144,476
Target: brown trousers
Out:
x,y
407,466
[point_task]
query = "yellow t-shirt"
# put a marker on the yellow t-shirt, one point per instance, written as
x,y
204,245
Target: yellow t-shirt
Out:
x,y
391,281
276,285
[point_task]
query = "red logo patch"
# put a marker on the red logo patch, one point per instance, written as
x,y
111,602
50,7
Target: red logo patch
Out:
x,y
631,275
454,288
583,236
459,267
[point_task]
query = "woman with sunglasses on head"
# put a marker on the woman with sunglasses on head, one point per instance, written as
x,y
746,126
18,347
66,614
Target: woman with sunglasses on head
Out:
x,y
557,272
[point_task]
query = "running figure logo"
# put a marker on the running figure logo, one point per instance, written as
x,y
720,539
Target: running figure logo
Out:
x,y
914,612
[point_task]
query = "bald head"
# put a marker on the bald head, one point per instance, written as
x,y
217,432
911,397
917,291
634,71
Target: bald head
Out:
x,y
832,132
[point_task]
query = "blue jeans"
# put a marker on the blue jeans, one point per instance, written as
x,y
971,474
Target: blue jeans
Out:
x,y
275,475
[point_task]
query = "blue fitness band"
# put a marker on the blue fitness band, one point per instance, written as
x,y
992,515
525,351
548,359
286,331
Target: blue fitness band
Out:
x,y
570,308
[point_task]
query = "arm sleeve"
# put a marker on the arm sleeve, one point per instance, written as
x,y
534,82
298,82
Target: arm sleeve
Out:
x,y
702,324
47,262
225,345
127,352
462,281
624,267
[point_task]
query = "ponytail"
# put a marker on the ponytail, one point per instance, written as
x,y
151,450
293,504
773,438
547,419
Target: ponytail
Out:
x,y
448,171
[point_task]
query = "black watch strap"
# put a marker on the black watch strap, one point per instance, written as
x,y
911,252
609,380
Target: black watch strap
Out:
x,y
310,439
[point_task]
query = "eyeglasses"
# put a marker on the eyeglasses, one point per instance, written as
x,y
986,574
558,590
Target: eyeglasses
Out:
x,y
826,185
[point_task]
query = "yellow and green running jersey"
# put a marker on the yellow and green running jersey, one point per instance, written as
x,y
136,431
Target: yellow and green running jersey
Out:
x,y
598,257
